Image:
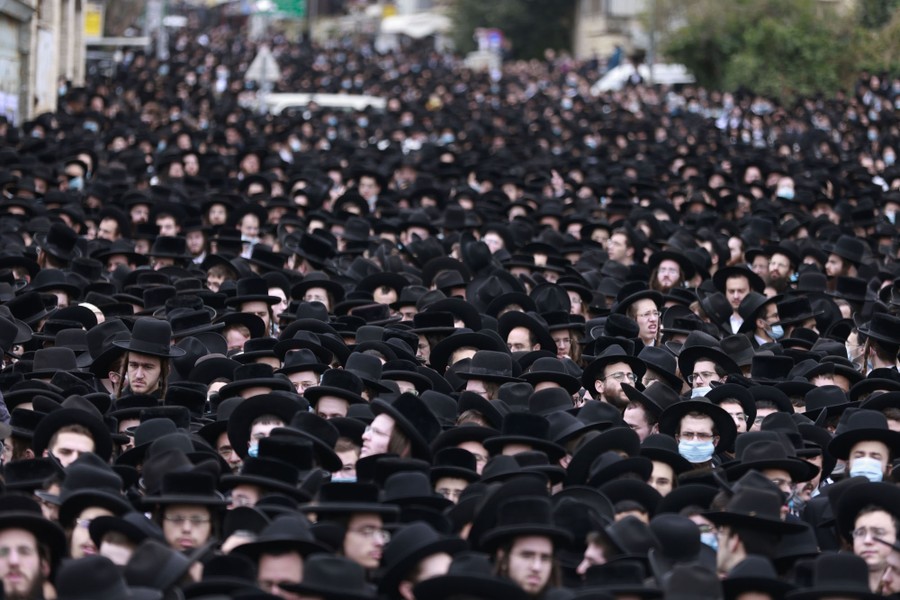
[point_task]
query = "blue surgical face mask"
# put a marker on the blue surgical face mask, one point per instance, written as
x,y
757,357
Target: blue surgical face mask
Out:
x,y
699,392
786,193
696,452
873,135
867,467
343,480
710,539
890,159
891,216
76,183
776,332
253,450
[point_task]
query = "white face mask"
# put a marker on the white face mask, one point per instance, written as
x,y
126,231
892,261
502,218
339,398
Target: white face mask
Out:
x,y
699,392
869,468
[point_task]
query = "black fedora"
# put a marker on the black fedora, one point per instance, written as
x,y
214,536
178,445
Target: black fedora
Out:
x,y
837,575
192,486
663,363
480,340
756,509
796,309
525,516
770,454
470,576
849,248
414,419
554,370
702,346
593,444
339,499
60,241
244,414
97,577
862,425
883,328
322,433
268,474
490,366
527,429
855,499
655,398
337,382
750,307
285,533
332,578
409,545
252,289
152,337
659,447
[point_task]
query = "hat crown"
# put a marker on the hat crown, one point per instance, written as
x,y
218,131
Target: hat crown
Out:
x,y
91,576
342,378
315,426
331,572
755,503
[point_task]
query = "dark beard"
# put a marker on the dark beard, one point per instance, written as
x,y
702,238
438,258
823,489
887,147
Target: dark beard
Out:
x,y
34,592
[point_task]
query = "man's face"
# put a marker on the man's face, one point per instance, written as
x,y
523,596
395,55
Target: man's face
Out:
x,y
696,429
450,487
662,478
21,567
365,540
258,308
186,526
668,273
834,266
530,563
329,407
223,447
368,187
617,247
563,340
69,446
519,340
779,267
194,241
647,317
867,527
167,226
140,213
144,372
593,555
108,230
377,436
704,373
736,289
890,581
303,380
871,449
610,386
737,413
636,418
259,431
283,568
80,544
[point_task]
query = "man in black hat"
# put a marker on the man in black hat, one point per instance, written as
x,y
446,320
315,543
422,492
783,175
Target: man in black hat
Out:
x,y
30,546
146,365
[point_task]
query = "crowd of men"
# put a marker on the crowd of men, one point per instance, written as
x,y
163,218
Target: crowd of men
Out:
x,y
503,339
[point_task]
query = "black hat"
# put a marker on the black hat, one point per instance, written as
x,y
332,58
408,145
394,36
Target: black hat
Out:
x,y
849,248
862,425
702,346
527,429
19,512
841,575
337,499
754,508
655,398
482,340
687,267
269,474
678,542
750,307
526,516
554,370
90,482
663,363
491,366
470,576
322,433
97,577
409,545
663,448
415,420
154,564
337,382
856,498
194,486
60,241
135,526
621,576
770,454
153,337
882,327
332,578
732,392
795,309
287,532
724,274
252,289
532,322
255,375
670,420
169,247
75,410
593,444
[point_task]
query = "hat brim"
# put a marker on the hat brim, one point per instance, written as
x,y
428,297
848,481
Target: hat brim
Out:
x,y
391,576
799,470
754,522
72,506
841,444
496,536
615,438
47,532
140,347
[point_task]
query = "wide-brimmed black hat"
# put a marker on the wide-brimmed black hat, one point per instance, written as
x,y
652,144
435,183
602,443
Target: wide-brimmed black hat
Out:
x,y
337,382
338,499
481,340
285,533
733,392
244,414
620,576
252,289
491,366
796,309
837,575
724,274
269,474
663,448
75,411
770,454
332,578
631,293
90,482
593,444
882,327
663,363
611,355
414,419
527,429
409,545
525,516
169,247
851,249
655,398
750,307
192,486
152,337
670,420
135,526
553,370
60,241
687,267
754,574
97,577
470,576
702,346
322,433
756,509
255,375
862,425
532,322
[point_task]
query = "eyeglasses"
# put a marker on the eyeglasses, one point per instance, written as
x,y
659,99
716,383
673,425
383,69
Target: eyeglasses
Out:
x,y
650,314
622,376
372,532
83,523
195,520
704,375
694,435
875,532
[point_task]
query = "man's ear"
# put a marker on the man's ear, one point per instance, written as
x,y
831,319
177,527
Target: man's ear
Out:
x,y
598,386
406,590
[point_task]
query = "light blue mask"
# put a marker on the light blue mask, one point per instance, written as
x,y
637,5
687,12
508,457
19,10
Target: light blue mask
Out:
x,y
777,332
696,452
699,392
253,451
786,193
343,480
710,539
76,183
867,467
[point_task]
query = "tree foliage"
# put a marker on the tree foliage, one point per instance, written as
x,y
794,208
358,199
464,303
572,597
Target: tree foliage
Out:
x,y
530,26
781,49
